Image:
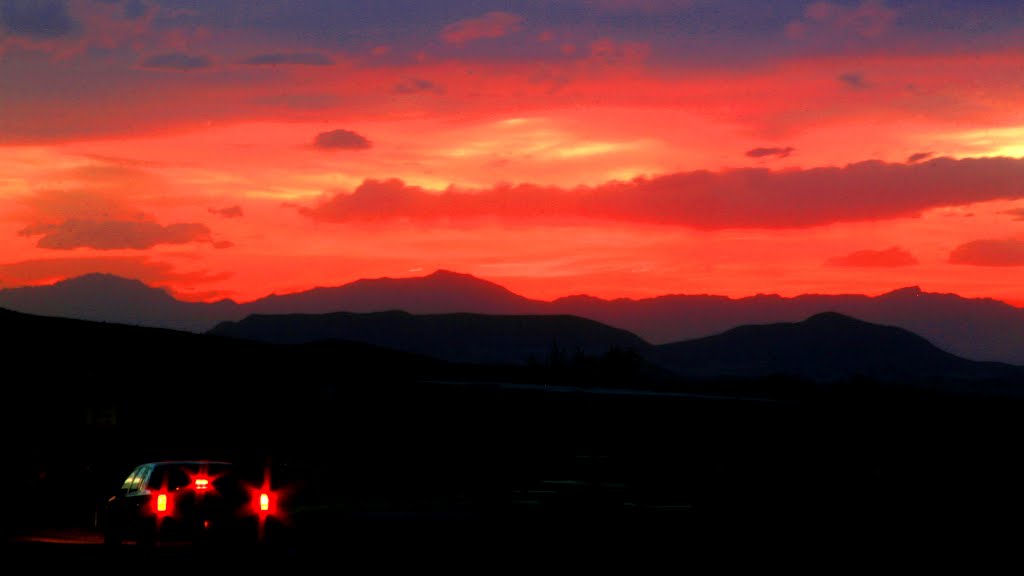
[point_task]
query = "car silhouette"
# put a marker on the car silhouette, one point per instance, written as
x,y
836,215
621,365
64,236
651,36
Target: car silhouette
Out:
x,y
192,502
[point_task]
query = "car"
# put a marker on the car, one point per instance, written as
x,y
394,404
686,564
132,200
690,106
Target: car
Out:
x,y
192,502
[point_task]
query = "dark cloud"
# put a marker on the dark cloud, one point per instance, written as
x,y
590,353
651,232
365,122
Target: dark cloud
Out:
x,y
854,80
377,199
341,140
777,152
297,58
114,234
1018,213
742,198
918,157
868,19
891,257
415,85
490,25
37,18
229,212
176,61
1006,252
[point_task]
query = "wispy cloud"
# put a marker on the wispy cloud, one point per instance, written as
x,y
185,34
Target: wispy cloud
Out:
x,y
888,258
990,252
776,152
416,85
854,80
490,25
869,19
294,58
176,61
229,212
114,234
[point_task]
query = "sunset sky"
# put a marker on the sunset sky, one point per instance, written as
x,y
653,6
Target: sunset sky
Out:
x,y
615,148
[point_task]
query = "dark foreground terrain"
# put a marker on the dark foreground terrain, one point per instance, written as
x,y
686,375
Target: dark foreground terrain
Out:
x,y
462,470
392,458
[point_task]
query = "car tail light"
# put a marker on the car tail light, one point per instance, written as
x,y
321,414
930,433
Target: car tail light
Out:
x,y
203,481
266,502
162,504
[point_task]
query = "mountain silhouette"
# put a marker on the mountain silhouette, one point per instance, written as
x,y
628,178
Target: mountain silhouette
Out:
x,y
978,329
827,347
109,298
438,293
460,337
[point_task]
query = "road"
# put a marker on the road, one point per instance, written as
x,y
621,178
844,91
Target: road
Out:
x,y
392,543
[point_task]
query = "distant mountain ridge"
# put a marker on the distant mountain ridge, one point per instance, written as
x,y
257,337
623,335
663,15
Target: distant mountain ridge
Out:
x,y
977,329
457,337
830,347
827,348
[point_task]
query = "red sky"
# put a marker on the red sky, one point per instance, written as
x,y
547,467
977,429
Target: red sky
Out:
x,y
619,149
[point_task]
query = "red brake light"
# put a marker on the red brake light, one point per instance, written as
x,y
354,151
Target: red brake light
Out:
x,y
201,483
162,504
264,502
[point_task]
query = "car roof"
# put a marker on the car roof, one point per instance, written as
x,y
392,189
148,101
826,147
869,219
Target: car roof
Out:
x,y
185,462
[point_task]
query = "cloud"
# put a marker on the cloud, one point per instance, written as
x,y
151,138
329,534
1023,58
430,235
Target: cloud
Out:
x,y
341,140
114,234
777,152
854,80
1007,252
1018,213
229,212
297,58
741,198
416,85
891,257
869,19
490,25
37,18
377,199
176,61
919,156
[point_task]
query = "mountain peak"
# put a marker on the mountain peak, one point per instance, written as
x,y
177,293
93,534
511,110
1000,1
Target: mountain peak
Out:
x,y
908,292
832,318
103,282
443,273
98,277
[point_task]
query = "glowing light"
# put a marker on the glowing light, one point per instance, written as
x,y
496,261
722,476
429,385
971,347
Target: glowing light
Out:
x,y
264,502
1005,142
161,503
593,149
202,483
